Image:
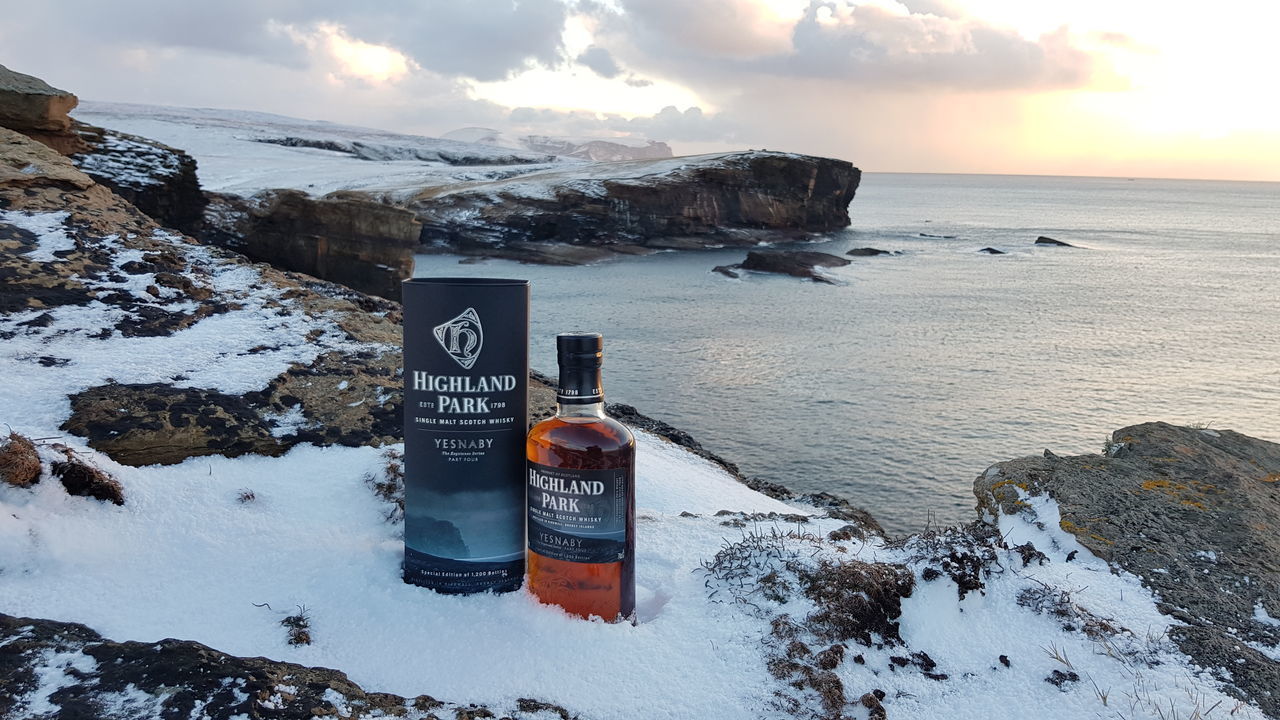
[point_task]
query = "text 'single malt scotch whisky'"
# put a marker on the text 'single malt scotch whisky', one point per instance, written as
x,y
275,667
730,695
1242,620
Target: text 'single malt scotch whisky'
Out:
x,y
466,370
581,494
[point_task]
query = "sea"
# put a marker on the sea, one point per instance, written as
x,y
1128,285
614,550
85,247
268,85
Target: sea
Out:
x,y
899,384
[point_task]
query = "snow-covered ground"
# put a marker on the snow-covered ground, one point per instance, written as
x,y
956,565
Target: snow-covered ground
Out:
x,y
231,154
191,555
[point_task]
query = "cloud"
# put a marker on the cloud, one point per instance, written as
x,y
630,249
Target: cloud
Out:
x,y
487,40
886,45
869,44
599,60
483,40
691,125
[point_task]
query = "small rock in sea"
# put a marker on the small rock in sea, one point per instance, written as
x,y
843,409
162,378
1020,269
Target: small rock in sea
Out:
x,y
1042,240
727,270
939,237
867,252
472,260
991,251
799,263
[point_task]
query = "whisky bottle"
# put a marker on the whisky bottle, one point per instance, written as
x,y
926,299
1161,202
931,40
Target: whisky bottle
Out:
x,y
581,494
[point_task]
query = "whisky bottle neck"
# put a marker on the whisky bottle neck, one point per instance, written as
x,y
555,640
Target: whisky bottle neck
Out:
x,y
580,410
580,385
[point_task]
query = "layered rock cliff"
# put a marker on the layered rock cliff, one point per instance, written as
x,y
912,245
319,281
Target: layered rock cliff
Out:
x,y
159,180
735,199
346,237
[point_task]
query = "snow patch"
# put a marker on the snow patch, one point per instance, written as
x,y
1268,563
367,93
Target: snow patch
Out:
x,y
51,235
53,673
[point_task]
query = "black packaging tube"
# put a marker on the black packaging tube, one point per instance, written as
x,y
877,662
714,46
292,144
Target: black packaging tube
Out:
x,y
466,407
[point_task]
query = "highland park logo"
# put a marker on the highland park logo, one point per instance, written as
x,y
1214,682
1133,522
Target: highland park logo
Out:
x,y
462,337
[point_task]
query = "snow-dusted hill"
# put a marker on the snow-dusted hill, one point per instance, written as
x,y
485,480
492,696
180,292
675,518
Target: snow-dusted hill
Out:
x,y
244,152
610,149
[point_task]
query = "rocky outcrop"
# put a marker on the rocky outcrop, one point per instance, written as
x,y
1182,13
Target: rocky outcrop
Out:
x,y
1195,513
36,109
991,251
735,199
798,263
159,180
179,678
345,237
869,252
148,424
1042,240
69,246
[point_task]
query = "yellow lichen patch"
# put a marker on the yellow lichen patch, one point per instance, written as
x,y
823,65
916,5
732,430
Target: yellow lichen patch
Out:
x,y
1161,484
1099,538
1166,459
1069,526
1273,477
1016,483
1193,503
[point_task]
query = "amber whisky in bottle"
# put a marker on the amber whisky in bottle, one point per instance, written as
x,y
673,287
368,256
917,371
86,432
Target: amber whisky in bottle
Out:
x,y
581,494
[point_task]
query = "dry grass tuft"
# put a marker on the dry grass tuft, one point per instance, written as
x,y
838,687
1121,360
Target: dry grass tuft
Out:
x,y
19,461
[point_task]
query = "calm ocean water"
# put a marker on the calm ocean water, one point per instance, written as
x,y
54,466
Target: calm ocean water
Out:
x,y
899,386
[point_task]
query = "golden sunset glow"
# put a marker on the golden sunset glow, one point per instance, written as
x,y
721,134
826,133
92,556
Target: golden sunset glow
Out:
x,y
348,57
375,63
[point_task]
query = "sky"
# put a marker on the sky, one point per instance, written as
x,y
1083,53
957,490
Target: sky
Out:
x,y
1131,88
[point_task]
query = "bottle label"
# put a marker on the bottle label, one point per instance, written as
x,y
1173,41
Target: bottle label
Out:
x,y
578,515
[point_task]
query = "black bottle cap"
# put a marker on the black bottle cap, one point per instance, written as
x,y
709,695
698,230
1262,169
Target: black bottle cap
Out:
x,y
580,349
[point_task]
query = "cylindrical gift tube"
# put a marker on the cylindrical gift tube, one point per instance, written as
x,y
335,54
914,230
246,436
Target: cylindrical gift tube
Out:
x,y
466,405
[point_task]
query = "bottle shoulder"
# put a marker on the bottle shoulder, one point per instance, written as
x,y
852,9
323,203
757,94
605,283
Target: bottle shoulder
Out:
x,y
583,434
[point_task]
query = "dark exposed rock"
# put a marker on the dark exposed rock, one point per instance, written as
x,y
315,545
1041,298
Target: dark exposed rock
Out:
x,y
1193,512
159,180
868,252
82,479
1061,679
1042,240
161,424
734,199
938,237
345,237
178,678
729,271
799,263
991,251
871,701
